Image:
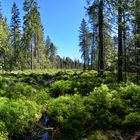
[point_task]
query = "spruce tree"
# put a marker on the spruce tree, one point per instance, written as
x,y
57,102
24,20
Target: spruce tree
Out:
x,y
47,46
52,55
33,39
15,36
84,43
137,37
1,16
93,18
5,51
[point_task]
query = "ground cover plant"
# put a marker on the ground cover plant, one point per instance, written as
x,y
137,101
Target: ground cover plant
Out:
x,y
79,104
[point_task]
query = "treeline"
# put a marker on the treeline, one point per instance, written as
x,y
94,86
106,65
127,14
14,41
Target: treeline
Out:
x,y
24,47
110,39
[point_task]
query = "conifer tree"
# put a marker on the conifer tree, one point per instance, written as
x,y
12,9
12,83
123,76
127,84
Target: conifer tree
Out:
x,y
4,43
84,43
47,46
1,16
52,55
137,37
33,39
15,35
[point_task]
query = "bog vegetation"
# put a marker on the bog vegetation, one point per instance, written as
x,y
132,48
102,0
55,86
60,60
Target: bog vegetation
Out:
x,y
41,99
80,105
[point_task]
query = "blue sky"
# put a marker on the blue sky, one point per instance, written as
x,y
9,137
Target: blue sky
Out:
x,y
61,20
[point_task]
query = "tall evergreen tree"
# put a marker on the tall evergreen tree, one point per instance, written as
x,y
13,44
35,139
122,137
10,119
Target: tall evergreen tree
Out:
x,y
1,16
5,51
15,34
52,55
96,7
84,39
137,37
92,12
33,38
48,44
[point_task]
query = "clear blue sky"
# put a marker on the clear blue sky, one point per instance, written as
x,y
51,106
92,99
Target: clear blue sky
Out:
x,y
61,20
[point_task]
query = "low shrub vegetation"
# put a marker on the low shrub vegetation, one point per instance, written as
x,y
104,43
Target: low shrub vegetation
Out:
x,y
81,105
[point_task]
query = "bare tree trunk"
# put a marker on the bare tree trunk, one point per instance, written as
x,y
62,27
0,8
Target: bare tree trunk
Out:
x,y
120,49
101,48
124,44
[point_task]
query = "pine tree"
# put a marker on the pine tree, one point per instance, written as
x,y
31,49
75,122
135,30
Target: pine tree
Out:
x,y
52,55
1,16
47,46
15,35
92,12
5,51
137,37
109,49
97,8
84,43
33,38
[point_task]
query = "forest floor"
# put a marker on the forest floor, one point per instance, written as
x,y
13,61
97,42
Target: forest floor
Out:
x,y
68,105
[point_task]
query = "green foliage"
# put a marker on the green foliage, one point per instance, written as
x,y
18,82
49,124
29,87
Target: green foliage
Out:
x,y
61,87
33,53
42,98
70,114
81,104
132,119
84,43
20,89
15,36
3,131
5,50
19,115
131,94
98,135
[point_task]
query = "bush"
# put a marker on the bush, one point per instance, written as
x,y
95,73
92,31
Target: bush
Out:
x,y
132,119
61,87
20,89
42,98
3,131
19,115
106,108
69,112
130,93
98,135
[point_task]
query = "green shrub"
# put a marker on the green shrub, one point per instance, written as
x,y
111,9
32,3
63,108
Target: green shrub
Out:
x,y
105,107
3,131
132,119
61,87
130,93
98,135
69,112
89,73
42,97
19,115
20,89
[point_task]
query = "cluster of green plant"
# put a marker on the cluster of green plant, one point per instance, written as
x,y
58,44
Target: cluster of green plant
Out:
x,y
103,109
81,104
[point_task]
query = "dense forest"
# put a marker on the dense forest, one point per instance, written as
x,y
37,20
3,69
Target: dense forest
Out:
x,y
46,97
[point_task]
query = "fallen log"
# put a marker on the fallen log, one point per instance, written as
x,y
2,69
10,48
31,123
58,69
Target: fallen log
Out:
x,y
136,135
45,128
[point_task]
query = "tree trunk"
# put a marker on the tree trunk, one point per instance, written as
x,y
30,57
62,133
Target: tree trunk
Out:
x,y
120,49
124,44
101,48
